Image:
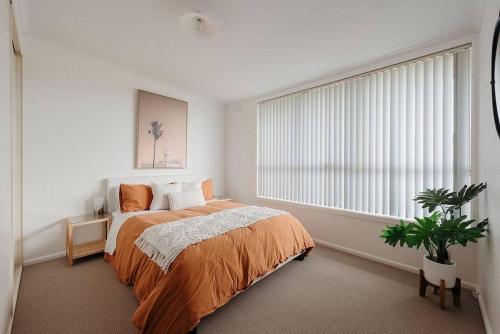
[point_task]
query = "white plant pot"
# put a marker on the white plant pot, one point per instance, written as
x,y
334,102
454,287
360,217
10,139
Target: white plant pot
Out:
x,y
434,272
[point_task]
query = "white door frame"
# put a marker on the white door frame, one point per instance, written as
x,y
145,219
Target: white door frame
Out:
x,y
17,158
17,153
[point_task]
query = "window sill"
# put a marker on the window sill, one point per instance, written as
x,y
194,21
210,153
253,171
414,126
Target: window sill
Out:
x,y
343,212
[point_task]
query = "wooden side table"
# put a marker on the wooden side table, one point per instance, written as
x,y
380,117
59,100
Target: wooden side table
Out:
x,y
78,251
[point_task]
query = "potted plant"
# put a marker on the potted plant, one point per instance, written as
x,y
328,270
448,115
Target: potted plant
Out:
x,y
444,227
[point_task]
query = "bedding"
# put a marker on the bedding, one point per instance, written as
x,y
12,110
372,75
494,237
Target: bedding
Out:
x,y
186,199
160,195
163,242
208,189
204,275
135,197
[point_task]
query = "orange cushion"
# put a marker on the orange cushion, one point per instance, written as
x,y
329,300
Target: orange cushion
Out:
x,y
208,189
135,197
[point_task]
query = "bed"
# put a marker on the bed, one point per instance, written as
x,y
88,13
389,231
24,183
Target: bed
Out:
x,y
176,291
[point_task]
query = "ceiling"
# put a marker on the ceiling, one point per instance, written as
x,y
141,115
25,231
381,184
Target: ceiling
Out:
x,y
260,45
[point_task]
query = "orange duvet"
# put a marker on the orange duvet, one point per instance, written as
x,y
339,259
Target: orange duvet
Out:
x,y
205,275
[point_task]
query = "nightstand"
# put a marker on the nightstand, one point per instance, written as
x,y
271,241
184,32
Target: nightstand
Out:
x,y
78,251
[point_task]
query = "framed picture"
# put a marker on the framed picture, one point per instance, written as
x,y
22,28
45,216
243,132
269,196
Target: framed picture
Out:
x,y
161,131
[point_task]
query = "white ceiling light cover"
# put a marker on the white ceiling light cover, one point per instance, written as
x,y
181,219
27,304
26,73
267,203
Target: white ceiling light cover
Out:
x,y
197,25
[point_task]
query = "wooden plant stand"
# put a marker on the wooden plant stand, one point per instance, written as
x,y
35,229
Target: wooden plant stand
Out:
x,y
456,290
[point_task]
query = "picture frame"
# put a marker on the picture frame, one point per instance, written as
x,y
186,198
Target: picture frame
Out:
x,y
161,132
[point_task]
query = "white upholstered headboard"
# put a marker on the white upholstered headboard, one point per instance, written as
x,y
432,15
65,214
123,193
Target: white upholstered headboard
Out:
x,y
114,184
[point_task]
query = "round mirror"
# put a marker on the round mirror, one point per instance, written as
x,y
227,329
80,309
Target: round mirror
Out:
x,y
494,56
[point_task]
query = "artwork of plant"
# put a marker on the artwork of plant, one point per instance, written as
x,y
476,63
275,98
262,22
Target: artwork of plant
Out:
x,y
161,131
156,132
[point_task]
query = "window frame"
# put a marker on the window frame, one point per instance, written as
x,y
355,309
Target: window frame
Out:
x,y
396,59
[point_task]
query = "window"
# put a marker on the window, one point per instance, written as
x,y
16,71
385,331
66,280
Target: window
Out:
x,y
370,143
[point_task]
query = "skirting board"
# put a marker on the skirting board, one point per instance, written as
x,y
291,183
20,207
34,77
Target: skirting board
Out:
x,y
484,313
44,258
382,260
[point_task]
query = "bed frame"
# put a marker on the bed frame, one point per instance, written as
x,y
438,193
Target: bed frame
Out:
x,y
114,183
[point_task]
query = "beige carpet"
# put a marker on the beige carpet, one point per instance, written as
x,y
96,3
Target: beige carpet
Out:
x,y
329,292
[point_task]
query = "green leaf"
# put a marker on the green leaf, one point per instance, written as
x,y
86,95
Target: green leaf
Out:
x,y
396,234
461,231
432,198
464,195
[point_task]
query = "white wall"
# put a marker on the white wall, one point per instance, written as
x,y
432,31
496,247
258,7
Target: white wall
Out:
x,y
79,129
6,222
489,170
357,233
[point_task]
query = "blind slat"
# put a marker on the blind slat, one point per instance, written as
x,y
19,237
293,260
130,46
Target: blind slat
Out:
x,y
370,143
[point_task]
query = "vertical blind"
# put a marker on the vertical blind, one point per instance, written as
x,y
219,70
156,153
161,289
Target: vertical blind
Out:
x,y
370,143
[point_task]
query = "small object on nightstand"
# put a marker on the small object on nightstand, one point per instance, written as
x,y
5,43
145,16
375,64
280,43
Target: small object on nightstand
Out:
x,y
98,206
78,251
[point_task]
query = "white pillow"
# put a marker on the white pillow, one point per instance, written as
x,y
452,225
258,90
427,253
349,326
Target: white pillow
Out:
x,y
189,186
160,192
186,199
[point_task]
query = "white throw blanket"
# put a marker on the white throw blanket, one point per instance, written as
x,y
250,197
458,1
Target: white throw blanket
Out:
x,y
162,243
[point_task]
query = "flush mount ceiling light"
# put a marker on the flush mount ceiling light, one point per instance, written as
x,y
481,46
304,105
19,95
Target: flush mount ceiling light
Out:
x,y
197,25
